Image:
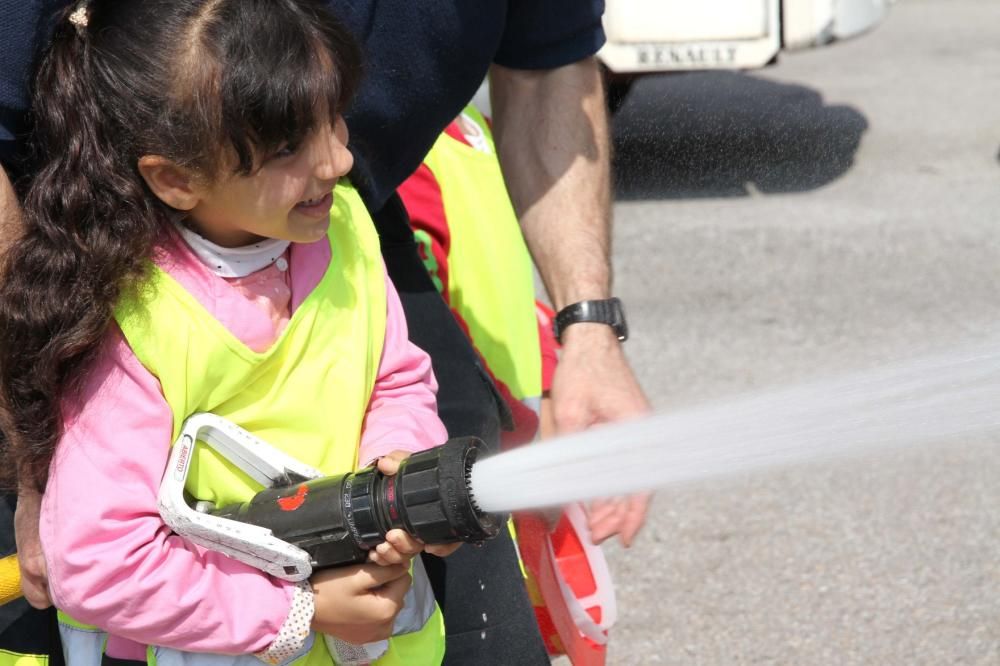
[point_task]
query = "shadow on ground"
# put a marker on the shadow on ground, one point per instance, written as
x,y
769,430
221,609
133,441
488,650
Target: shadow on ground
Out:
x,y
719,134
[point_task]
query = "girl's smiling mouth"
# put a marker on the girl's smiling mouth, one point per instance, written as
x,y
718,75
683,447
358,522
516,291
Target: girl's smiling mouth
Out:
x,y
319,207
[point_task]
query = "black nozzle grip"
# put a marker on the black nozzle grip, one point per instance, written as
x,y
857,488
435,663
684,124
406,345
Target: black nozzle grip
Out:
x,y
437,502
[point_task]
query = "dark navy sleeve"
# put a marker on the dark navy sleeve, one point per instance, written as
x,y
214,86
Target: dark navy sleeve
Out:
x,y
542,34
25,26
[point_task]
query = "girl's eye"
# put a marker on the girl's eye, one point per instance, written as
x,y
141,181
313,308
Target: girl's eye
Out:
x,y
287,150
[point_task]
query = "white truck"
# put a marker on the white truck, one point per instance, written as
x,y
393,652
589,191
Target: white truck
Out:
x,y
653,36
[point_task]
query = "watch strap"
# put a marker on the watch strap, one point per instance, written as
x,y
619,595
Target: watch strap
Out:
x,y
604,311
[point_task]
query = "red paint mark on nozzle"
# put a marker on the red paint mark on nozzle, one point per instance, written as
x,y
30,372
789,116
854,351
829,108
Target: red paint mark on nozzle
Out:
x,y
295,501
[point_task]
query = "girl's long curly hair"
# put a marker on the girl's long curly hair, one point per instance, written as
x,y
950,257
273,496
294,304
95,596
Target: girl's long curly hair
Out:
x,y
212,85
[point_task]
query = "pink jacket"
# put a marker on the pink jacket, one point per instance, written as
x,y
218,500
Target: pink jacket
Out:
x,y
113,563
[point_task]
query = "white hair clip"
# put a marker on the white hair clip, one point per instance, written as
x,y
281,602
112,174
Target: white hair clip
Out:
x,y
80,17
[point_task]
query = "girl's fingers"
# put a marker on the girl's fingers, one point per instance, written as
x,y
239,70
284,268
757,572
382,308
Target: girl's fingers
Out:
x,y
397,549
403,542
389,464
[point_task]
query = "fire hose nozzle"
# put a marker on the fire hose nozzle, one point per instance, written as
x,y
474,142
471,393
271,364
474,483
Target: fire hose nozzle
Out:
x,y
303,521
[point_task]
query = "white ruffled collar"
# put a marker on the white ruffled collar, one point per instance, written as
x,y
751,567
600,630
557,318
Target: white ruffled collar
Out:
x,y
233,262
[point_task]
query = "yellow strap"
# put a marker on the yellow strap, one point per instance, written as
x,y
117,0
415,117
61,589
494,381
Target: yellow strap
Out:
x,y
10,579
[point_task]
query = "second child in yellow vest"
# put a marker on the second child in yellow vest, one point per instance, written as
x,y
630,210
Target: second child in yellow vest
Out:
x,y
473,249
472,246
187,248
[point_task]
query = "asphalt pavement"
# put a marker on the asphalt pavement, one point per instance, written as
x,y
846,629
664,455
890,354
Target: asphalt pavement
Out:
x,y
830,213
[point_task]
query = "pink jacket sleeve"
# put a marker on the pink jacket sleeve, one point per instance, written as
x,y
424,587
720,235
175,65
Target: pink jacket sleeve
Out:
x,y
402,413
111,560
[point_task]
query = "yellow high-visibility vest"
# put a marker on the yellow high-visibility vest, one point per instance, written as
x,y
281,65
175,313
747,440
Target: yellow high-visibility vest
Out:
x,y
485,240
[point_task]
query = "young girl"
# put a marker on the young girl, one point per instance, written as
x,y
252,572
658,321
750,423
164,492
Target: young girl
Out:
x,y
187,248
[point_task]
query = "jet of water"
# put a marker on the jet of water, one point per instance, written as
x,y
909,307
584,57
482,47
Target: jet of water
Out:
x,y
931,399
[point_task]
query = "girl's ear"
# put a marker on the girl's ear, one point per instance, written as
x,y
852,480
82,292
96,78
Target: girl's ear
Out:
x,y
173,185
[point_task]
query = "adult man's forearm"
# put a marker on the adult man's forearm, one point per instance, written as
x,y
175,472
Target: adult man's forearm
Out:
x,y
10,213
29,550
552,138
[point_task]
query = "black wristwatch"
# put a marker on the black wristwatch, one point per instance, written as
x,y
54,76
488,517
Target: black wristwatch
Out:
x,y
608,311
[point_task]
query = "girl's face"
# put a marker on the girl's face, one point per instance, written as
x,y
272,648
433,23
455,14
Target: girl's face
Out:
x,y
289,197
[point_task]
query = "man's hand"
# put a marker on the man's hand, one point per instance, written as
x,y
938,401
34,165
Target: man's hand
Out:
x,y
594,384
34,577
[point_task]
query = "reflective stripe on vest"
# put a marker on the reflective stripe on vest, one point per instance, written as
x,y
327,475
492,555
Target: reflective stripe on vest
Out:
x,y
485,239
307,394
8,658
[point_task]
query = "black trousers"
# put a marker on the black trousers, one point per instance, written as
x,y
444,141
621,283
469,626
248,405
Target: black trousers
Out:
x,y
488,616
